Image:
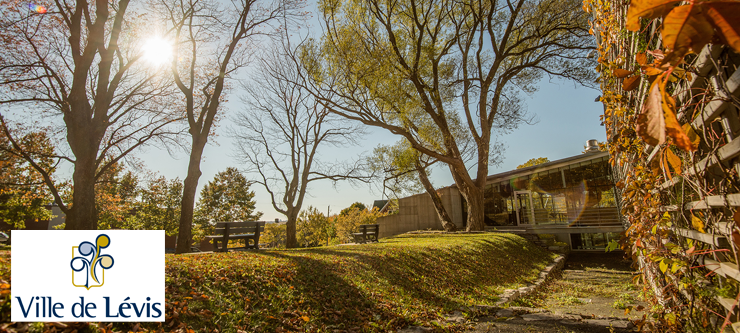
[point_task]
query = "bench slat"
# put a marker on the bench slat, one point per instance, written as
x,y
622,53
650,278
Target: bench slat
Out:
x,y
237,230
239,224
368,233
231,236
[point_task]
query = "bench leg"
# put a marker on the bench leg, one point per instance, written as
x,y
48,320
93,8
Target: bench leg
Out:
x,y
224,246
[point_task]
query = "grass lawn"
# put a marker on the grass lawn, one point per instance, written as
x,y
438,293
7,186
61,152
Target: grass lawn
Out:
x,y
401,281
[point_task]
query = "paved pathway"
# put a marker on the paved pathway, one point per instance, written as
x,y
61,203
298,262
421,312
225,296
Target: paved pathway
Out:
x,y
589,297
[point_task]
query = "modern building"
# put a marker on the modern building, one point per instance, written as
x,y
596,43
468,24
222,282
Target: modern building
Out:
x,y
572,198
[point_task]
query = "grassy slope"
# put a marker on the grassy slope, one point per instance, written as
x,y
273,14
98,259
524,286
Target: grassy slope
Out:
x,y
401,281
406,280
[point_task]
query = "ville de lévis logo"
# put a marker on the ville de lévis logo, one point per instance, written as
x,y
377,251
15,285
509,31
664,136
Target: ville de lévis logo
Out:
x,y
88,269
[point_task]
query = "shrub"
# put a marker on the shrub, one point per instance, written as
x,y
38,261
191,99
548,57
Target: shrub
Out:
x,y
275,235
348,223
313,228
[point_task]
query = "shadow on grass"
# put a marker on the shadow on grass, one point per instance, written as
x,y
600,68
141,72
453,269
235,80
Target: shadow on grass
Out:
x,y
373,287
331,302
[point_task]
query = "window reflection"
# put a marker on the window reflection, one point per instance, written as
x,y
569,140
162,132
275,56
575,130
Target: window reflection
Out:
x,y
579,195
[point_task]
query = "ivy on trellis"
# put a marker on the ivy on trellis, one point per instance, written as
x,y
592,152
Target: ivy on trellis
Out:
x,y
647,54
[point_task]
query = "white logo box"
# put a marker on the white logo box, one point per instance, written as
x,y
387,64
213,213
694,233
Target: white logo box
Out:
x,y
45,287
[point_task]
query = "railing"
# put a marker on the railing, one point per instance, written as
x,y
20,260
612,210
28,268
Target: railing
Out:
x,y
591,216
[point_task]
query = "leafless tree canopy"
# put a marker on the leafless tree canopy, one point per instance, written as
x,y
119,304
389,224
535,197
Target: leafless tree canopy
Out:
x,y
74,71
213,41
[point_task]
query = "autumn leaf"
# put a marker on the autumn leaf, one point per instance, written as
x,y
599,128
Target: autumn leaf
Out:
x,y
631,83
677,74
673,128
652,70
663,266
693,137
673,161
657,54
658,118
736,238
685,29
651,122
648,9
725,16
697,223
641,58
622,73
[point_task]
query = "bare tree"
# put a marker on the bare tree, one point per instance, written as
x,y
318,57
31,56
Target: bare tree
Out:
x,y
281,134
467,61
77,64
213,41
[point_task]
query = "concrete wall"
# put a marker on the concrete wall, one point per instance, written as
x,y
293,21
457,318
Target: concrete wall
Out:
x,y
417,213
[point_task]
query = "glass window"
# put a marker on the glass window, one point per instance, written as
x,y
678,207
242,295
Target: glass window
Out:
x,y
595,241
588,196
498,205
547,182
549,207
593,174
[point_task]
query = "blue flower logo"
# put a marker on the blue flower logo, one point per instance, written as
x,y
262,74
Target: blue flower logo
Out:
x,y
90,265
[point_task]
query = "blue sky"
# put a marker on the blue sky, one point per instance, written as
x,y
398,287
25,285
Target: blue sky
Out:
x,y
568,116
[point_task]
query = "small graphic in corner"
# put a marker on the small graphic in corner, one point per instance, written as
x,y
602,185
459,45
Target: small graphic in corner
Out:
x,y
88,268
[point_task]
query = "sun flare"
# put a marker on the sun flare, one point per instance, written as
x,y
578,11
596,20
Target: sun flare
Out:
x,y
157,51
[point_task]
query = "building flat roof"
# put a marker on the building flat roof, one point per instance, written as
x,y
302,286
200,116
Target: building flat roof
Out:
x,y
547,166
543,167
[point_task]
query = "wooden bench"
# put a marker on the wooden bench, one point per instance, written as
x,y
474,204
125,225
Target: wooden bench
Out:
x,y
247,231
368,233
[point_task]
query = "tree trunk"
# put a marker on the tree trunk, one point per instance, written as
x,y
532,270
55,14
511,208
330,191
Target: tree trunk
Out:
x,y
83,137
190,185
83,214
291,241
436,200
474,198
475,210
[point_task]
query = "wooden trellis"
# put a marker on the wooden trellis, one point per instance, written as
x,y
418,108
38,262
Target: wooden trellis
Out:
x,y
698,203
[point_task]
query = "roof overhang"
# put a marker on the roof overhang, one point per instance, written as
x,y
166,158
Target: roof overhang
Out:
x,y
546,166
